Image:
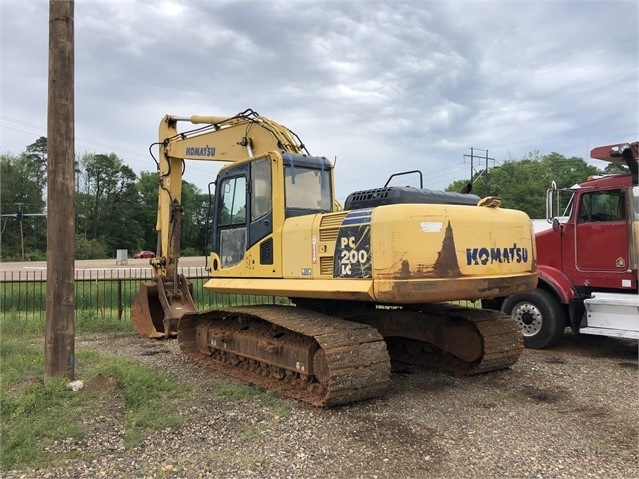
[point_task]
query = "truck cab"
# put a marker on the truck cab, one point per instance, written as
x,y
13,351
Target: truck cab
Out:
x,y
587,261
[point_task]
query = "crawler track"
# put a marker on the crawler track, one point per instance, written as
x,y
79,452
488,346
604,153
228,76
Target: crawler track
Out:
x,y
301,354
490,340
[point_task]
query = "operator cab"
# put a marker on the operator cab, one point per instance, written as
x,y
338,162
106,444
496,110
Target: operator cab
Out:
x,y
248,196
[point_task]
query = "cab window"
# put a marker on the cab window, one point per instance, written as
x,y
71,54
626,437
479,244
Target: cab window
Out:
x,y
233,204
307,189
232,221
260,188
602,206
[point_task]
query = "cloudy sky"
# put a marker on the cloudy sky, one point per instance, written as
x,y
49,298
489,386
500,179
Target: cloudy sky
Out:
x,y
383,86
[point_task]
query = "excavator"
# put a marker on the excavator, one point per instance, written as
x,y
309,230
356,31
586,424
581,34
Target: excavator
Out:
x,y
364,285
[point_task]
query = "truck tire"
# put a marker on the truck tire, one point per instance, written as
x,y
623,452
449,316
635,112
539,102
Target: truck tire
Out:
x,y
539,315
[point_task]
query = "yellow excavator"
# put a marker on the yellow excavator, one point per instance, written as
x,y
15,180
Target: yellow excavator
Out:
x,y
365,283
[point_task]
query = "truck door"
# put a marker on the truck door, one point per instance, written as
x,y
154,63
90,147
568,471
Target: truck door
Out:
x,y
601,233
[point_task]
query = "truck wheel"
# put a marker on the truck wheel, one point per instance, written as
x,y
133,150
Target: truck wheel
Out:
x,y
539,315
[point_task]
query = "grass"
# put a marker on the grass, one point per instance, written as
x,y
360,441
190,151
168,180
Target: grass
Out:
x,y
36,413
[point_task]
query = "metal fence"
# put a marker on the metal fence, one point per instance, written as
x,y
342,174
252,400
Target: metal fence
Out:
x,y
102,293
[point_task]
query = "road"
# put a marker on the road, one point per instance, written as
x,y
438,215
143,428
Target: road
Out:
x,y
102,268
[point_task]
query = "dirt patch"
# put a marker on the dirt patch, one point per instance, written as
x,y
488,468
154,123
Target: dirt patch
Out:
x,y
596,346
541,395
101,383
556,360
628,365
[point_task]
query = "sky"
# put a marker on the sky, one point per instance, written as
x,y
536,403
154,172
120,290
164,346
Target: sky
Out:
x,y
379,87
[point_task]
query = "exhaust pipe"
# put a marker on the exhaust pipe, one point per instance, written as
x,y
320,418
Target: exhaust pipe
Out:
x,y
628,151
630,157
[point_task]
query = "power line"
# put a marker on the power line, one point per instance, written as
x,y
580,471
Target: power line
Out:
x,y
473,171
78,139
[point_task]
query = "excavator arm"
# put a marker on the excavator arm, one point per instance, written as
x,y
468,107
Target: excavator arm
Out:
x,y
212,138
226,139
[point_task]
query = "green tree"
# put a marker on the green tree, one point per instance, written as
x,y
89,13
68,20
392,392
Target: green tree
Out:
x,y
147,187
522,184
89,249
115,209
37,155
194,217
107,203
194,220
21,191
615,169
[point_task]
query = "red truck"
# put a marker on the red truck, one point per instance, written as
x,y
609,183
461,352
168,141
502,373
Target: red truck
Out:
x,y
587,262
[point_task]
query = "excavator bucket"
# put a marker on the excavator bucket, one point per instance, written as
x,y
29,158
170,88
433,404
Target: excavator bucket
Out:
x,y
158,307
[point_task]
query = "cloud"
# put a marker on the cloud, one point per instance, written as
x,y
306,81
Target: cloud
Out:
x,y
383,86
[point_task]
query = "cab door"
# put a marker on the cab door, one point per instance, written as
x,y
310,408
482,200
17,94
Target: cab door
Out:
x,y
231,222
243,221
601,233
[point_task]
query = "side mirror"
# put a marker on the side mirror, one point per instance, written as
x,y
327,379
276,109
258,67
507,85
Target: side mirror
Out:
x,y
551,194
556,226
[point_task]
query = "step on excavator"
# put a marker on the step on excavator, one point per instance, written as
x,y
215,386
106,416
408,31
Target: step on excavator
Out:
x,y
366,284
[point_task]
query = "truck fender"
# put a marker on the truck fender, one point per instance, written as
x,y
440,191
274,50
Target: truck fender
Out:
x,y
554,280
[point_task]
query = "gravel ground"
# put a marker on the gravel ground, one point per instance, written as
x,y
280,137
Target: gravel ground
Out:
x,y
567,412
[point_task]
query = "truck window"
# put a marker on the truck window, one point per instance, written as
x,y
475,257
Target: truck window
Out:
x,y
602,206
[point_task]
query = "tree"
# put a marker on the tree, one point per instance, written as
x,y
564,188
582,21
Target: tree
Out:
x,y
194,220
37,156
108,206
114,209
21,191
147,187
194,217
615,169
522,184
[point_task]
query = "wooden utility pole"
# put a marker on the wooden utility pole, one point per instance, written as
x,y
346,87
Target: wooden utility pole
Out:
x,y
59,354
21,219
474,172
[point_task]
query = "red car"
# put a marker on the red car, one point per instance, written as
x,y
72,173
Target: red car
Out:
x,y
144,254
